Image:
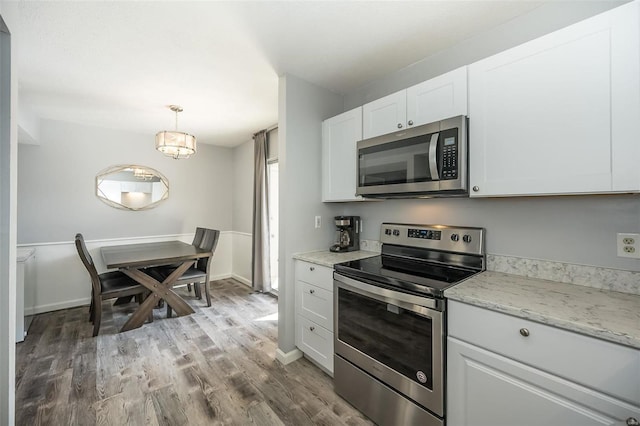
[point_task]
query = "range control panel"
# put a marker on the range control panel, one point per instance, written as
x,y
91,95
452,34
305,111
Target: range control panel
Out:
x,y
425,234
439,237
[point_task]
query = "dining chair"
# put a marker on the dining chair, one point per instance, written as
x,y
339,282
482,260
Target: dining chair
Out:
x,y
199,274
105,286
197,239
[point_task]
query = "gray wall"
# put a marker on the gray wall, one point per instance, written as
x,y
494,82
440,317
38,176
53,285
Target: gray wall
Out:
x,y
302,108
56,186
243,167
576,229
542,20
243,188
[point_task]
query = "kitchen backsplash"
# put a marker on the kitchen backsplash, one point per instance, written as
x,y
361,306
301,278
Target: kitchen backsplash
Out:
x,y
370,245
587,276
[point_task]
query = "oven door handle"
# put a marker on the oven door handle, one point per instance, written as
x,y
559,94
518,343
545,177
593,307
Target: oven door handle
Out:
x,y
420,305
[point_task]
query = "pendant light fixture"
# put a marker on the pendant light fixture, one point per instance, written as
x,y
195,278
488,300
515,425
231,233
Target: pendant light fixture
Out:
x,y
176,144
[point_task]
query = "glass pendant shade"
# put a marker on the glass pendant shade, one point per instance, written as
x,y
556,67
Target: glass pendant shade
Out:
x,y
176,144
173,143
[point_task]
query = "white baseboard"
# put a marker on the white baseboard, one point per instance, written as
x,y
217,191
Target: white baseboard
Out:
x,y
242,279
85,301
220,277
289,357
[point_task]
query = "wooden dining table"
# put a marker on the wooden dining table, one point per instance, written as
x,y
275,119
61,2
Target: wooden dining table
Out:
x,y
132,259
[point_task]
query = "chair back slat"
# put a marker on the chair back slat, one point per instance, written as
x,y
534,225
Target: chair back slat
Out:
x,y
209,242
197,239
87,260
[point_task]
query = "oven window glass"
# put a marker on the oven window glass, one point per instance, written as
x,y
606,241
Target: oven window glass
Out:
x,y
396,337
404,161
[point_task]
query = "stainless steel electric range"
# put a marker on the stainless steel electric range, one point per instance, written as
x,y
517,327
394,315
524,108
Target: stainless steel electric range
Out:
x,y
390,321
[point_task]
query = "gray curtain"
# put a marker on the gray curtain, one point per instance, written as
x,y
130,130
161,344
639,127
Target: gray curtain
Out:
x,y
260,268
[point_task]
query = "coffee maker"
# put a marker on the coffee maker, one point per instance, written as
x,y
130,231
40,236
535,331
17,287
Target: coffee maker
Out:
x,y
347,234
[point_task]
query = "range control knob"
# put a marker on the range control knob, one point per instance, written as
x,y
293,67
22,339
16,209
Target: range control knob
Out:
x,y
466,238
455,237
387,231
396,232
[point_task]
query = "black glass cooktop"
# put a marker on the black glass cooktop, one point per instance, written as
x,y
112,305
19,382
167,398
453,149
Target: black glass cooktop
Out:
x,y
408,275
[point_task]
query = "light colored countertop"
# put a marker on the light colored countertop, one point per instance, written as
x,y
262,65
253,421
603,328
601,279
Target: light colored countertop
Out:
x,y
604,314
328,258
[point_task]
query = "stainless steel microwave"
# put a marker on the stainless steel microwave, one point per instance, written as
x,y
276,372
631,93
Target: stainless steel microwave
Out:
x,y
424,161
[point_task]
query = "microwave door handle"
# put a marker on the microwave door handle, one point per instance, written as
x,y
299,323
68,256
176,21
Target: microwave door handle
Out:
x,y
433,162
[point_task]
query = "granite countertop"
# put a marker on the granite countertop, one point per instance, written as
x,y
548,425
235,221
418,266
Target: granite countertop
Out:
x,y
328,258
604,314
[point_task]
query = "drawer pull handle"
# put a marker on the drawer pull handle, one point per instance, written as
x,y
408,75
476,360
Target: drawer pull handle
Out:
x,y
632,421
312,328
311,268
524,332
312,291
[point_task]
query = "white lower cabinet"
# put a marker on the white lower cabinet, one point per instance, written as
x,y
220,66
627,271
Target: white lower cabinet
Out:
x,y
314,312
540,379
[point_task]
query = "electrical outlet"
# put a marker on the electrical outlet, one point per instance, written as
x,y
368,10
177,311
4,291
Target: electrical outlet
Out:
x,y
628,245
318,221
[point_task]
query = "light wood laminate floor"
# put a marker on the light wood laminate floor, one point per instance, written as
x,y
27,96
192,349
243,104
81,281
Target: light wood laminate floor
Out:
x,y
216,366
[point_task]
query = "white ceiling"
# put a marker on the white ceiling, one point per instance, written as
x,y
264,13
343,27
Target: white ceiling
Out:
x,y
119,64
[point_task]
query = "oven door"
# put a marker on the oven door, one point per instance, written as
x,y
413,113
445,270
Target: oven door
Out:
x,y
393,336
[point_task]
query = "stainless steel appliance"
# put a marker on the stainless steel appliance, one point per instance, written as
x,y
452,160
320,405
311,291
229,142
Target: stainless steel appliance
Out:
x,y
390,321
424,161
347,234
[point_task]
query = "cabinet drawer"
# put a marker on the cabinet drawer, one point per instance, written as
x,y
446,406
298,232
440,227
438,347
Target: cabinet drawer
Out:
x,y
315,341
601,365
315,304
320,276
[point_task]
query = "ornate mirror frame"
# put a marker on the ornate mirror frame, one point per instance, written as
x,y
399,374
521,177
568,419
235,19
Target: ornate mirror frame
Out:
x,y
131,187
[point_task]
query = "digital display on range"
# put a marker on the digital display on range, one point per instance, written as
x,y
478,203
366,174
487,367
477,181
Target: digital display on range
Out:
x,y
424,234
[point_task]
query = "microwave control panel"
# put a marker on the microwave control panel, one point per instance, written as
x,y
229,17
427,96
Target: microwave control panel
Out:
x,y
449,154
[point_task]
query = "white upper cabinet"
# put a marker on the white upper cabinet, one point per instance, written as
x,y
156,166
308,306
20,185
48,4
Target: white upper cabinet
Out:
x,y
339,137
441,97
385,115
559,114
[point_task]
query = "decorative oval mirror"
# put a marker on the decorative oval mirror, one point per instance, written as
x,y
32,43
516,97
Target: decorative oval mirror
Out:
x,y
131,187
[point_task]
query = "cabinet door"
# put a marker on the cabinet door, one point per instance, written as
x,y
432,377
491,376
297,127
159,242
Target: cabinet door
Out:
x,y
315,341
339,137
487,389
441,97
384,115
559,114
